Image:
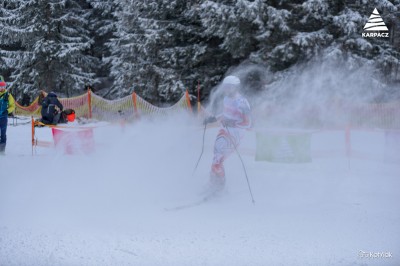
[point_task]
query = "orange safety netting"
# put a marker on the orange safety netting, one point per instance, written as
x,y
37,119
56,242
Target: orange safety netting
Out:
x,y
130,108
112,110
80,104
145,108
355,115
385,115
90,105
32,110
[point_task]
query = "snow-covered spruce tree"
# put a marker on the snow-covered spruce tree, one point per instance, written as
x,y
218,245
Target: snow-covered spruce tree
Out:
x,y
290,32
124,49
351,51
230,32
161,50
293,32
272,35
102,25
234,23
53,39
138,51
8,50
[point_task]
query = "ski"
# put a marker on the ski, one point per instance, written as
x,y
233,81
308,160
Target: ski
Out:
x,y
193,203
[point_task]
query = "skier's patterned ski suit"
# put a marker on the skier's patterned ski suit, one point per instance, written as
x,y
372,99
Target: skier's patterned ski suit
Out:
x,y
235,119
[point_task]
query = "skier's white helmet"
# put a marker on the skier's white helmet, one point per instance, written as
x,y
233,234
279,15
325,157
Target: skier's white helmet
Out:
x,y
231,80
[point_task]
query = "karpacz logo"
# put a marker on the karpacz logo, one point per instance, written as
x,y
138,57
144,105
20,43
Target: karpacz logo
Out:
x,y
375,34
375,23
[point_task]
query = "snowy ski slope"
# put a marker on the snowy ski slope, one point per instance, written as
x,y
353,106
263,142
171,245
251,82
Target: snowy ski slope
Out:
x,y
108,208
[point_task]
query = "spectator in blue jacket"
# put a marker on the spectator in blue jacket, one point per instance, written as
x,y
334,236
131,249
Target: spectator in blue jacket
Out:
x,y
7,107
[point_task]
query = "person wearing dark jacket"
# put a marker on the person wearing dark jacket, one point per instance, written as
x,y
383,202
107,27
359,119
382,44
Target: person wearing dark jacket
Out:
x,y
50,114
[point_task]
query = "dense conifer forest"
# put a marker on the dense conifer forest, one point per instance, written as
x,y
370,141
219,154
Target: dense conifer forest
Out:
x,y
159,48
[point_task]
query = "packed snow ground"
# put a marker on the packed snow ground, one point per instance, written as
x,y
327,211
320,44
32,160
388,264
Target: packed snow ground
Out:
x,y
108,208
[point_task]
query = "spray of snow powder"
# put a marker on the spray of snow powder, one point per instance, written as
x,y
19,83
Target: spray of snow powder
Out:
x,y
309,95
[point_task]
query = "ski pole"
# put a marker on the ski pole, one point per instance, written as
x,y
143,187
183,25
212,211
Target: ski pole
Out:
x,y
243,166
202,149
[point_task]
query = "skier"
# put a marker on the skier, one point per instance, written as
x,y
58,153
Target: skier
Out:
x,y
7,107
50,115
235,119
